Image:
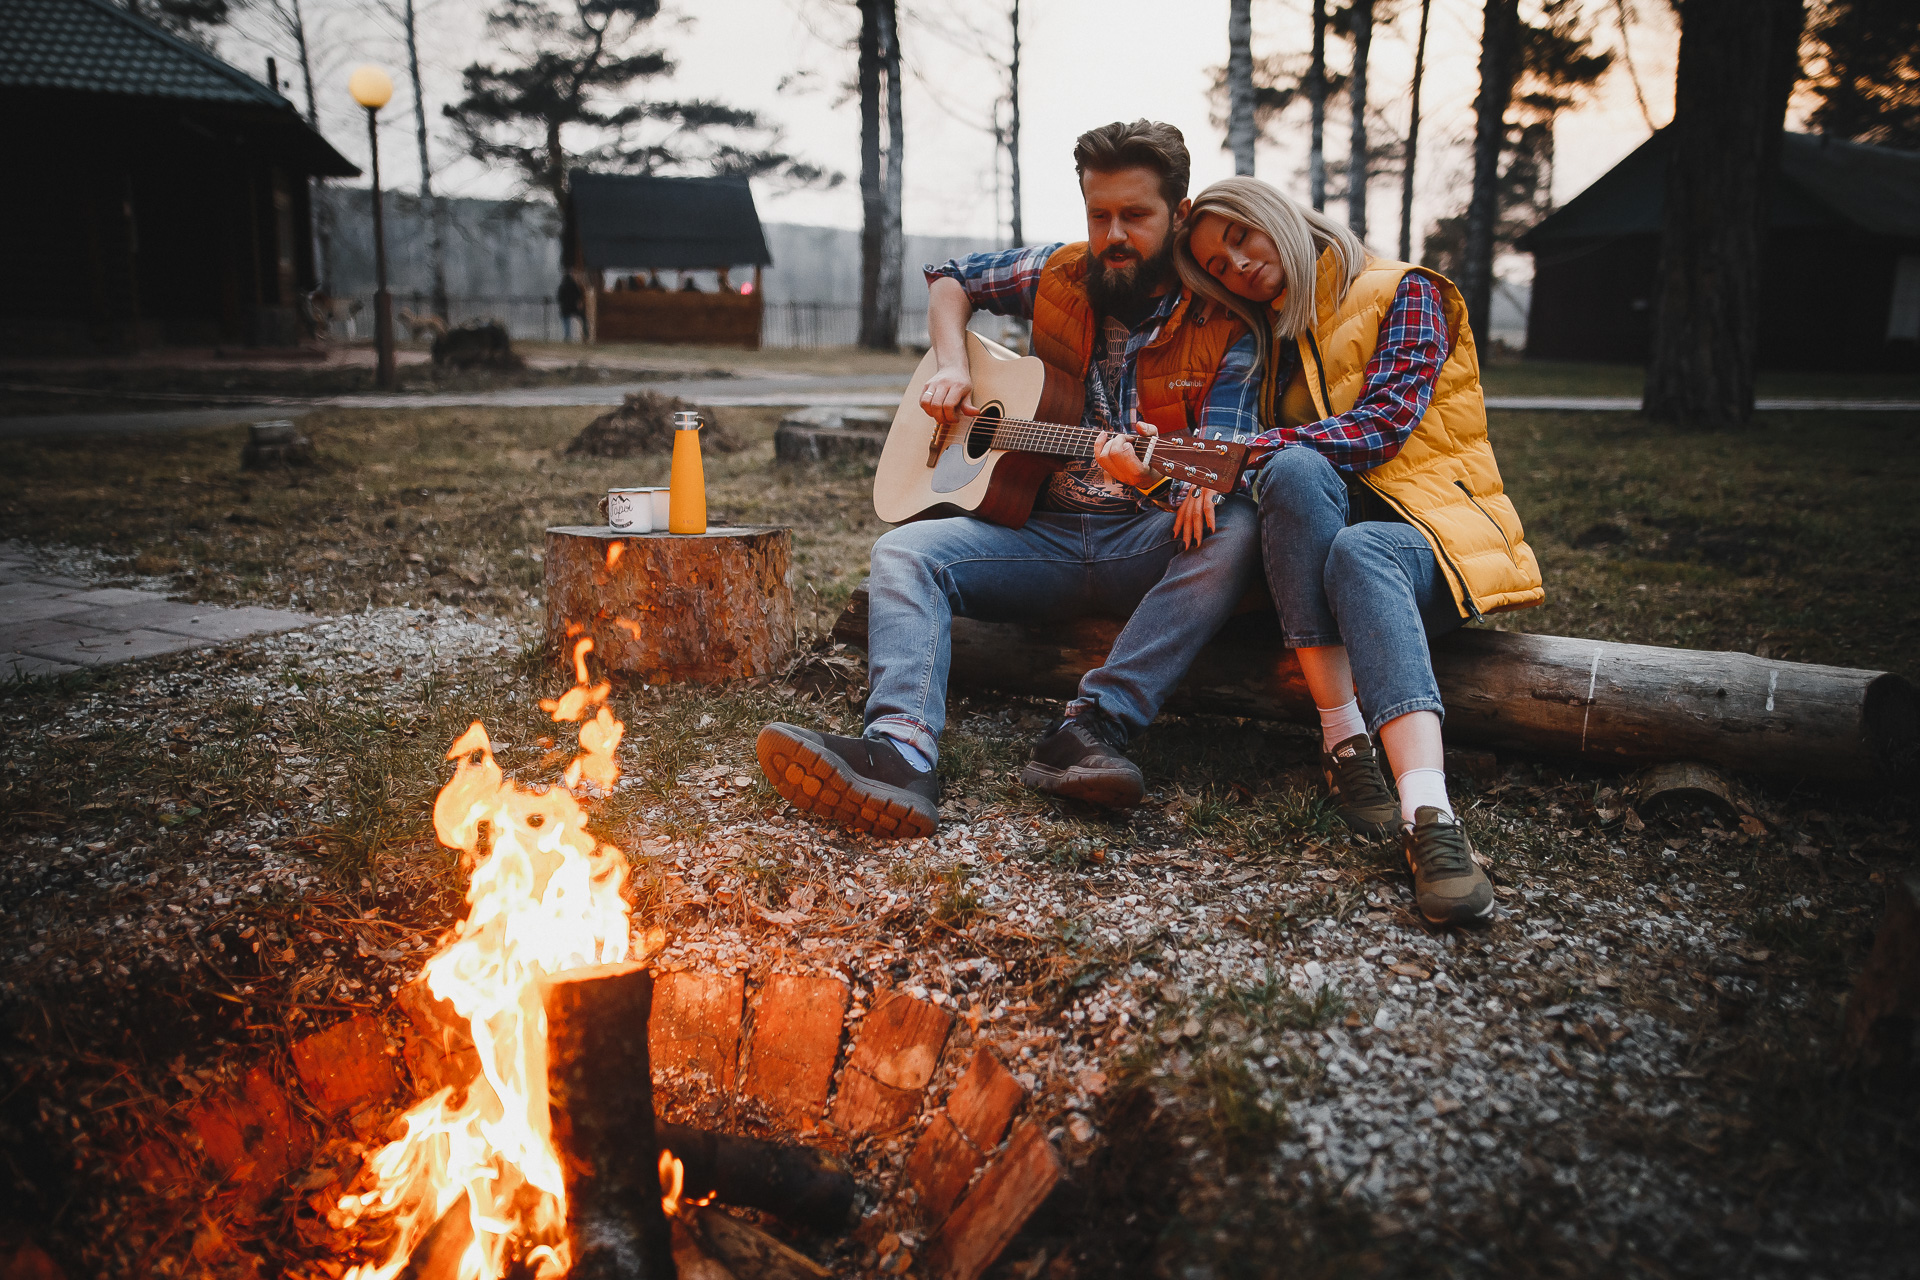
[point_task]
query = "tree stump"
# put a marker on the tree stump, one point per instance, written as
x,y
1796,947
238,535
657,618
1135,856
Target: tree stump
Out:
x,y
830,434
667,608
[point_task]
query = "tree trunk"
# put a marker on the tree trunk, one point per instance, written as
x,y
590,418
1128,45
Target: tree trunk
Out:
x,y
1357,98
667,608
873,209
1499,62
1413,137
1015,226
892,246
1738,60
1616,704
1317,104
429,207
1240,131
600,1099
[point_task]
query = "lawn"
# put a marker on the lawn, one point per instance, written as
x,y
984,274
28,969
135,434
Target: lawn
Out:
x,y
1629,1074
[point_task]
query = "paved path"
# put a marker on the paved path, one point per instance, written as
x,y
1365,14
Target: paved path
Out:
x,y
50,625
850,391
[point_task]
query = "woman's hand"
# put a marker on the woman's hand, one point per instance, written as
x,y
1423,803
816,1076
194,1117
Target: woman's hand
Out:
x,y
1194,520
1114,452
948,396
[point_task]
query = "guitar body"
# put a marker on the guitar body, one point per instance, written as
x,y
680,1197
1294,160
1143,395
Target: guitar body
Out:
x,y
966,475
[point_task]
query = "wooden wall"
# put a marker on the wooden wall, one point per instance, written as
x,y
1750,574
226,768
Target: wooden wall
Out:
x,y
708,319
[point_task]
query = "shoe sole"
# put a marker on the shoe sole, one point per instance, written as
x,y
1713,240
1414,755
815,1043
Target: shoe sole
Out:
x,y
1479,917
1109,790
815,782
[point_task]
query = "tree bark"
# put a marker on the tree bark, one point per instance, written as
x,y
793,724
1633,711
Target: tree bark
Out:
x,y
1413,136
1240,131
892,246
1317,109
873,212
1015,225
1357,98
1620,704
600,1098
1499,63
1738,60
666,608
435,215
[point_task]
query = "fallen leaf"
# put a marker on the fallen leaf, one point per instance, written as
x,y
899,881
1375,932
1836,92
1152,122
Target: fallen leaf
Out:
x,y
1752,825
1407,970
1445,1106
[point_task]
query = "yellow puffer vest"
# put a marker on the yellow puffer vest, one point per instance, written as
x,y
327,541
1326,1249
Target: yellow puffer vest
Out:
x,y
1444,479
1174,372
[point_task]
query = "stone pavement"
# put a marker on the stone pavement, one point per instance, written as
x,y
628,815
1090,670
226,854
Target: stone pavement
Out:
x,y
50,625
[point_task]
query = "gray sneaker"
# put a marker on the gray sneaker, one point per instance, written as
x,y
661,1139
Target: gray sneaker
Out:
x,y
1448,885
1358,789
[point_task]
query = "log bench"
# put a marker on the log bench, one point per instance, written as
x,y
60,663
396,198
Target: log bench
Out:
x,y
1594,700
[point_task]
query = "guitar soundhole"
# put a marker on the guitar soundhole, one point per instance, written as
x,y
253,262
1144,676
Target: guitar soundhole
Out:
x,y
980,435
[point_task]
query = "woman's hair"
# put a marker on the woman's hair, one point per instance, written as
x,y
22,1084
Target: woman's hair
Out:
x,y
1299,233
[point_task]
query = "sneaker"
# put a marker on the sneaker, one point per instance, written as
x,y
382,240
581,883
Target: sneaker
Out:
x,y
1358,789
862,783
1448,885
1079,757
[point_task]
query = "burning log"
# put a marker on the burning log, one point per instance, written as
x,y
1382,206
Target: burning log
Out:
x,y
791,1183
1625,704
600,1100
665,608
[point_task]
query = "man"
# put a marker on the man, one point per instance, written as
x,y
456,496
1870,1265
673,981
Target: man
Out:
x,y
1105,538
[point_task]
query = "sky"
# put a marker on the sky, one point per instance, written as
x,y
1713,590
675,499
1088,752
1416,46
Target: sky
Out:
x,y
1086,62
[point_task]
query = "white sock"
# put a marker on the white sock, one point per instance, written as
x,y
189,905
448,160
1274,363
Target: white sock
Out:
x,y
908,752
1337,724
1423,789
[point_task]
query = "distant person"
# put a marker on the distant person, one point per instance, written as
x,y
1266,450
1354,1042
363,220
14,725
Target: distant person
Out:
x,y
688,284
653,283
573,306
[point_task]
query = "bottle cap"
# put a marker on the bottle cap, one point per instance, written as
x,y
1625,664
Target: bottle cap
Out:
x,y
686,420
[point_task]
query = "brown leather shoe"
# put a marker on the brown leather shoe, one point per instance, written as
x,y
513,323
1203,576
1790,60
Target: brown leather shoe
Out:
x,y
1080,758
862,783
1358,789
1448,885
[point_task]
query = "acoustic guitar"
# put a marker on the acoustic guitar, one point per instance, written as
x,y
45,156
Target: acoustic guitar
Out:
x,y
993,466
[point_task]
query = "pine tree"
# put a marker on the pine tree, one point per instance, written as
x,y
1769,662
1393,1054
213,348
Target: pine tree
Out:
x,y
1865,70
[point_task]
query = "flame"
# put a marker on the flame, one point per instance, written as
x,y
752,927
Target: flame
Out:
x,y
545,897
673,1185
614,551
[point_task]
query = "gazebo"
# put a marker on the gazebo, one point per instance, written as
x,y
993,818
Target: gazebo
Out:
x,y
624,225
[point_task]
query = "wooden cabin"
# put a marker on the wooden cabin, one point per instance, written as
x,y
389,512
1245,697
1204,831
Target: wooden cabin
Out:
x,y
1840,287
631,228
155,194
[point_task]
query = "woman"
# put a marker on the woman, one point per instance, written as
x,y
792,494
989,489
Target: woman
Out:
x,y
1382,517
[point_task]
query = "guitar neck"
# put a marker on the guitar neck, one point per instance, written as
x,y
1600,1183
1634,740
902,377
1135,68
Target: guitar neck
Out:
x,y
1025,435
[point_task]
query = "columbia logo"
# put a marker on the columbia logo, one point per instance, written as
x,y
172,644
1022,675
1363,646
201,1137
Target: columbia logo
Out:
x,y
1187,382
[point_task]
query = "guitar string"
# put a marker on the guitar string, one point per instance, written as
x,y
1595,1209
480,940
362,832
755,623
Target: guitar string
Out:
x,y
1029,435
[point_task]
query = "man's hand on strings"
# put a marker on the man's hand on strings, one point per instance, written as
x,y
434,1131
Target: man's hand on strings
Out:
x,y
948,396
1114,452
1194,520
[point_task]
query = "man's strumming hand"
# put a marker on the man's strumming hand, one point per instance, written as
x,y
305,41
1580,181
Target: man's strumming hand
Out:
x,y
948,395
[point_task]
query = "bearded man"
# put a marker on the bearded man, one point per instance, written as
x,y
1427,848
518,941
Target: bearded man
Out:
x,y
1108,536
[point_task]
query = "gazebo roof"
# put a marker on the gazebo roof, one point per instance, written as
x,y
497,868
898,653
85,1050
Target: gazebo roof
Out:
x,y
626,220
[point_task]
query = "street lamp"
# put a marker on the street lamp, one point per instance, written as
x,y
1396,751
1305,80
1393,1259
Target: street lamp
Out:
x,y
371,88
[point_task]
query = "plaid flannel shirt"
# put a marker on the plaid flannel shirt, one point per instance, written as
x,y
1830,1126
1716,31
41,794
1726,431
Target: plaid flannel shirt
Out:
x,y
1398,388
1005,283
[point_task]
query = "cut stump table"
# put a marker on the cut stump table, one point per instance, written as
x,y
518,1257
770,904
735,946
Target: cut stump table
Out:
x,y
668,607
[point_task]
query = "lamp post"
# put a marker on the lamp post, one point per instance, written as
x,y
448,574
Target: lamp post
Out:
x,y
371,88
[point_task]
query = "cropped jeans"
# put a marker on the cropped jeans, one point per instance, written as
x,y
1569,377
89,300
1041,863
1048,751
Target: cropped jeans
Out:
x,y
1060,566
1373,586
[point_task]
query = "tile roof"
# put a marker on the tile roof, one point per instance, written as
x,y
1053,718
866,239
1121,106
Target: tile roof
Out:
x,y
99,47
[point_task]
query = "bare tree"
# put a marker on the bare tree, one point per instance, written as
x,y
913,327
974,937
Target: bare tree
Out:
x,y
1738,63
1015,227
1360,28
1413,136
1240,127
880,174
434,211
1317,101
1499,43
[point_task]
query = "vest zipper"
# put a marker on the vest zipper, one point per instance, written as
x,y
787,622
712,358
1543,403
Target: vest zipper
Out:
x,y
1440,548
1320,367
1462,484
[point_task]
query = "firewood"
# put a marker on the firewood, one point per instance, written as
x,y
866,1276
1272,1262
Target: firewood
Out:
x,y
1624,704
696,1026
746,1250
664,608
1882,1038
953,1144
796,1036
998,1206
895,1056
600,1098
793,1184
437,1256
345,1066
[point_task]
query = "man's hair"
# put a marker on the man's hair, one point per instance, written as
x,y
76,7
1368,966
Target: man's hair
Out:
x,y
1144,144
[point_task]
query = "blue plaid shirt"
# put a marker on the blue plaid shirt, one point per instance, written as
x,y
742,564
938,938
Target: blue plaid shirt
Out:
x,y
1005,283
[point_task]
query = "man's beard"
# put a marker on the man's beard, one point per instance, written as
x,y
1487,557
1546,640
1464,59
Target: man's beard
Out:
x,y
1130,286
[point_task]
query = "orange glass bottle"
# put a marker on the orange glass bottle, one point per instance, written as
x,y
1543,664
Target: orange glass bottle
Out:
x,y
687,501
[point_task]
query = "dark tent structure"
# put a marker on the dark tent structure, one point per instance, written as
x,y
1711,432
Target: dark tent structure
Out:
x,y
156,194
1841,287
626,224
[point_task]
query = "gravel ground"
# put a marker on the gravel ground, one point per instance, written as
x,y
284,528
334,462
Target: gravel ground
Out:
x,y
1252,1054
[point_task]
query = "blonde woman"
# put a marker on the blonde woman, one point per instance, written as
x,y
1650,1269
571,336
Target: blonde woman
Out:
x,y
1382,517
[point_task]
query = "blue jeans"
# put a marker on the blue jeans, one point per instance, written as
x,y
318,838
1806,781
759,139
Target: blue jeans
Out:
x,y
1374,586
1059,567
